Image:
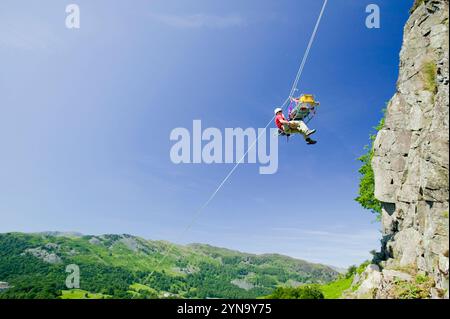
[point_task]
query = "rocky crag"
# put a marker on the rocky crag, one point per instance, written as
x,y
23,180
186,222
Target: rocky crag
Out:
x,y
410,163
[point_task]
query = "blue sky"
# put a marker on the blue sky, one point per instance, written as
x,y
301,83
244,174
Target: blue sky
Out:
x,y
85,118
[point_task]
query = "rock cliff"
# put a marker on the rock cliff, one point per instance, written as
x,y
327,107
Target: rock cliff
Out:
x,y
410,163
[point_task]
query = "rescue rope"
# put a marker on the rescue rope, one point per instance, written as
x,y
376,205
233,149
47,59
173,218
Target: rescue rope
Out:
x,y
305,56
286,102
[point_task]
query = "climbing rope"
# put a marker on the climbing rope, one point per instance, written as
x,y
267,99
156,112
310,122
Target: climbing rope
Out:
x,y
306,55
286,102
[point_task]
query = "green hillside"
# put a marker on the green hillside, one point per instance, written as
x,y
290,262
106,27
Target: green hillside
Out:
x,y
121,266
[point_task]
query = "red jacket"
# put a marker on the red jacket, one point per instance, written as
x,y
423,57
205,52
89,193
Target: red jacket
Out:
x,y
278,119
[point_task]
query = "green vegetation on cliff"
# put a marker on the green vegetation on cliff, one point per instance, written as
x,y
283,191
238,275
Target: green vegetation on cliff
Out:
x,y
366,191
429,72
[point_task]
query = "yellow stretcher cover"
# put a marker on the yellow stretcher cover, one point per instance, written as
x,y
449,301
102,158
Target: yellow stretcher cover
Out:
x,y
307,98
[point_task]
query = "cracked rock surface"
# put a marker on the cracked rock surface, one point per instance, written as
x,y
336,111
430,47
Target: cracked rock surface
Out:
x,y
411,159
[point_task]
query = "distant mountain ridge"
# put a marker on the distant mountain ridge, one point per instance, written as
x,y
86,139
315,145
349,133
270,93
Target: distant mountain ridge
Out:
x,y
60,233
126,266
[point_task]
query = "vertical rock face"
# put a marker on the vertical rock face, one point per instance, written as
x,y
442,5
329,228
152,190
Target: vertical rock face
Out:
x,y
411,152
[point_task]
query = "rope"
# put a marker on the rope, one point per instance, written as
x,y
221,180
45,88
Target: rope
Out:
x,y
305,57
200,210
213,195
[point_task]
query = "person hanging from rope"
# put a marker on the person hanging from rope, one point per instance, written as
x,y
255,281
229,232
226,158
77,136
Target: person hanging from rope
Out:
x,y
286,127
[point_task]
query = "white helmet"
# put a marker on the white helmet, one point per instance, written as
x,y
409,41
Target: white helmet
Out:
x,y
277,110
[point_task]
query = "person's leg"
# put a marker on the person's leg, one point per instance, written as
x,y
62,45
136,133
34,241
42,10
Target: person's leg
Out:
x,y
303,127
300,127
287,129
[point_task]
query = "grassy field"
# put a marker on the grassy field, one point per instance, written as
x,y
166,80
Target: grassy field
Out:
x,y
335,289
81,294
